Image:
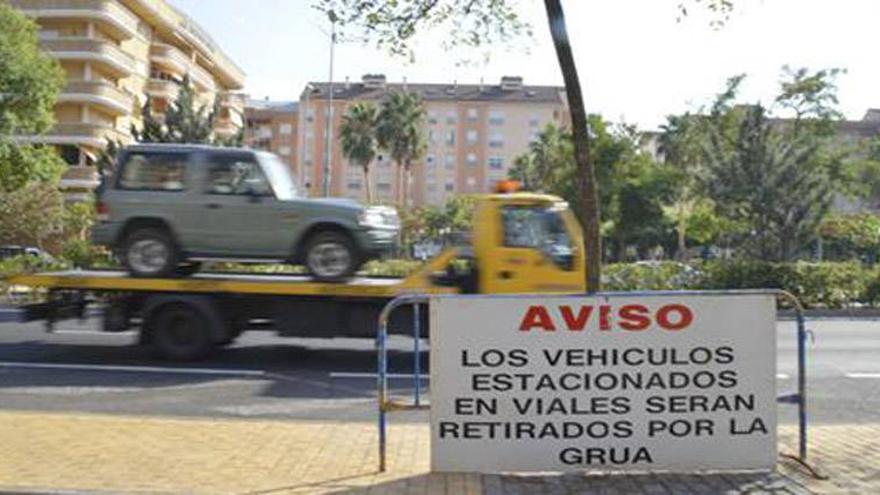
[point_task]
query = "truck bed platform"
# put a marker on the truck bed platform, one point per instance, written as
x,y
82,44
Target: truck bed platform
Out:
x,y
231,283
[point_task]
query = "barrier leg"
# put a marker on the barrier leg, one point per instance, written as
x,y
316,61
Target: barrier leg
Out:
x,y
802,386
417,365
382,385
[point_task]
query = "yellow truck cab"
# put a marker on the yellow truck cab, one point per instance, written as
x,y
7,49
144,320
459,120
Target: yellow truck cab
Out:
x,y
520,243
527,243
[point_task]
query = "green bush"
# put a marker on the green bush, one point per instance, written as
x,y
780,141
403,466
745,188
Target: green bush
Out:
x,y
663,275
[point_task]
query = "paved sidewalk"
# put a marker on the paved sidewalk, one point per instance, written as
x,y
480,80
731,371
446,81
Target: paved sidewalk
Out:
x,y
129,454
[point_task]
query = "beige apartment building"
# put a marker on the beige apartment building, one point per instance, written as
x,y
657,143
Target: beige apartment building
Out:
x,y
115,53
272,126
474,132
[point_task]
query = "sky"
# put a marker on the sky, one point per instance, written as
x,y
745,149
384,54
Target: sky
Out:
x,y
637,61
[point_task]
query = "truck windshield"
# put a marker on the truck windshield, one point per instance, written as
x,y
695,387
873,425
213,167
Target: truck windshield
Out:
x,y
541,228
279,176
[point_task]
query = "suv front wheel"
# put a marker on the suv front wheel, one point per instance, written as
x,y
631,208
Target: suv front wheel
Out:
x,y
331,256
150,252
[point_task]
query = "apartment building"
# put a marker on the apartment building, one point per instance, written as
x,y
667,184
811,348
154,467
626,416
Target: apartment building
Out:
x,y
116,53
272,126
474,133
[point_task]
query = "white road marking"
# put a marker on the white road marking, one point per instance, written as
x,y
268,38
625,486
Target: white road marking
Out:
x,y
782,376
343,374
127,333
863,375
133,369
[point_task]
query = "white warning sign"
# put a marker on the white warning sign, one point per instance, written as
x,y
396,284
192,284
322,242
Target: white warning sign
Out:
x,y
665,382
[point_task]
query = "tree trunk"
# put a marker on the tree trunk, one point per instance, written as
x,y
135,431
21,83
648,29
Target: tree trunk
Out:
x,y
367,183
407,168
586,176
682,233
398,194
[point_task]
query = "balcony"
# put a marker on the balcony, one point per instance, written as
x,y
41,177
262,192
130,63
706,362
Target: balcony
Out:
x,y
164,89
117,21
100,93
89,134
109,55
178,63
234,101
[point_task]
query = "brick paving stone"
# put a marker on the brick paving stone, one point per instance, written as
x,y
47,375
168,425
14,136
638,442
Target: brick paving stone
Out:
x,y
81,453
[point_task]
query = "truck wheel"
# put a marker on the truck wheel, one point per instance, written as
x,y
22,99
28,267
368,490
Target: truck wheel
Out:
x,y
149,252
331,256
181,332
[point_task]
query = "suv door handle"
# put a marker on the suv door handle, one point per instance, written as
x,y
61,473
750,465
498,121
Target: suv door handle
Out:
x,y
213,206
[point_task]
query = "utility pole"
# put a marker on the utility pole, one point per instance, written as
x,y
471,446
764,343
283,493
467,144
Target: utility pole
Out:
x,y
328,131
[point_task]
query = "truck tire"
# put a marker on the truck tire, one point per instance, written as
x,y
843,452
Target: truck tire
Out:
x,y
150,253
331,256
182,332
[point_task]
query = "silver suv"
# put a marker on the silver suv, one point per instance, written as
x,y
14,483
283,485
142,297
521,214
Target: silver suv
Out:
x,y
168,207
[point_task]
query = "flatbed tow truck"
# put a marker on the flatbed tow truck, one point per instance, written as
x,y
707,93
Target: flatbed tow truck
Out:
x,y
520,243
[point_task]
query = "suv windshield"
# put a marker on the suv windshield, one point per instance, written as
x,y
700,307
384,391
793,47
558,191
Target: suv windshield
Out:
x,y
279,175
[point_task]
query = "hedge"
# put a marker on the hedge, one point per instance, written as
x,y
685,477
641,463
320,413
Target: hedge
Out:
x,y
825,284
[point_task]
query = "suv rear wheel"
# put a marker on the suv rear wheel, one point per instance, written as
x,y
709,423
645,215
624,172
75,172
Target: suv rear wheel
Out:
x,y
150,252
331,256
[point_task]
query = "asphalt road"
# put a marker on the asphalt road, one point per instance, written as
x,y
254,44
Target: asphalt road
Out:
x,y
263,376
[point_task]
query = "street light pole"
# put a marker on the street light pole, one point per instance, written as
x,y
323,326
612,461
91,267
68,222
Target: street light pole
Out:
x,y
328,131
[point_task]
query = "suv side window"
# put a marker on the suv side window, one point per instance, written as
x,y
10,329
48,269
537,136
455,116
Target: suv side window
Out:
x,y
143,171
236,175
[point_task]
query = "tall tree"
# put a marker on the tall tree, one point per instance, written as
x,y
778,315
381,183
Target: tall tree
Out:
x,y
185,121
30,82
400,132
358,135
771,184
680,143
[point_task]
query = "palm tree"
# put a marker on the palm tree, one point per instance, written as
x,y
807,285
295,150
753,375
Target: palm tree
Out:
x,y
400,132
358,135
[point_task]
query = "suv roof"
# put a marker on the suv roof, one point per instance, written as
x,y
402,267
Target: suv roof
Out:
x,y
175,147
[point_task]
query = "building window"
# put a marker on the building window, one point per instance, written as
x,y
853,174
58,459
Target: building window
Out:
x,y
496,117
310,115
472,114
472,136
284,150
496,163
450,162
430,161
450,137
451,118
471,182
383,187
432,187
450,187
354,186
534,121
432,117
496,140
431,137
471,159
286,129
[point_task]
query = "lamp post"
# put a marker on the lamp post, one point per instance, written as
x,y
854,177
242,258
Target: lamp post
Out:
x,y
328,131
